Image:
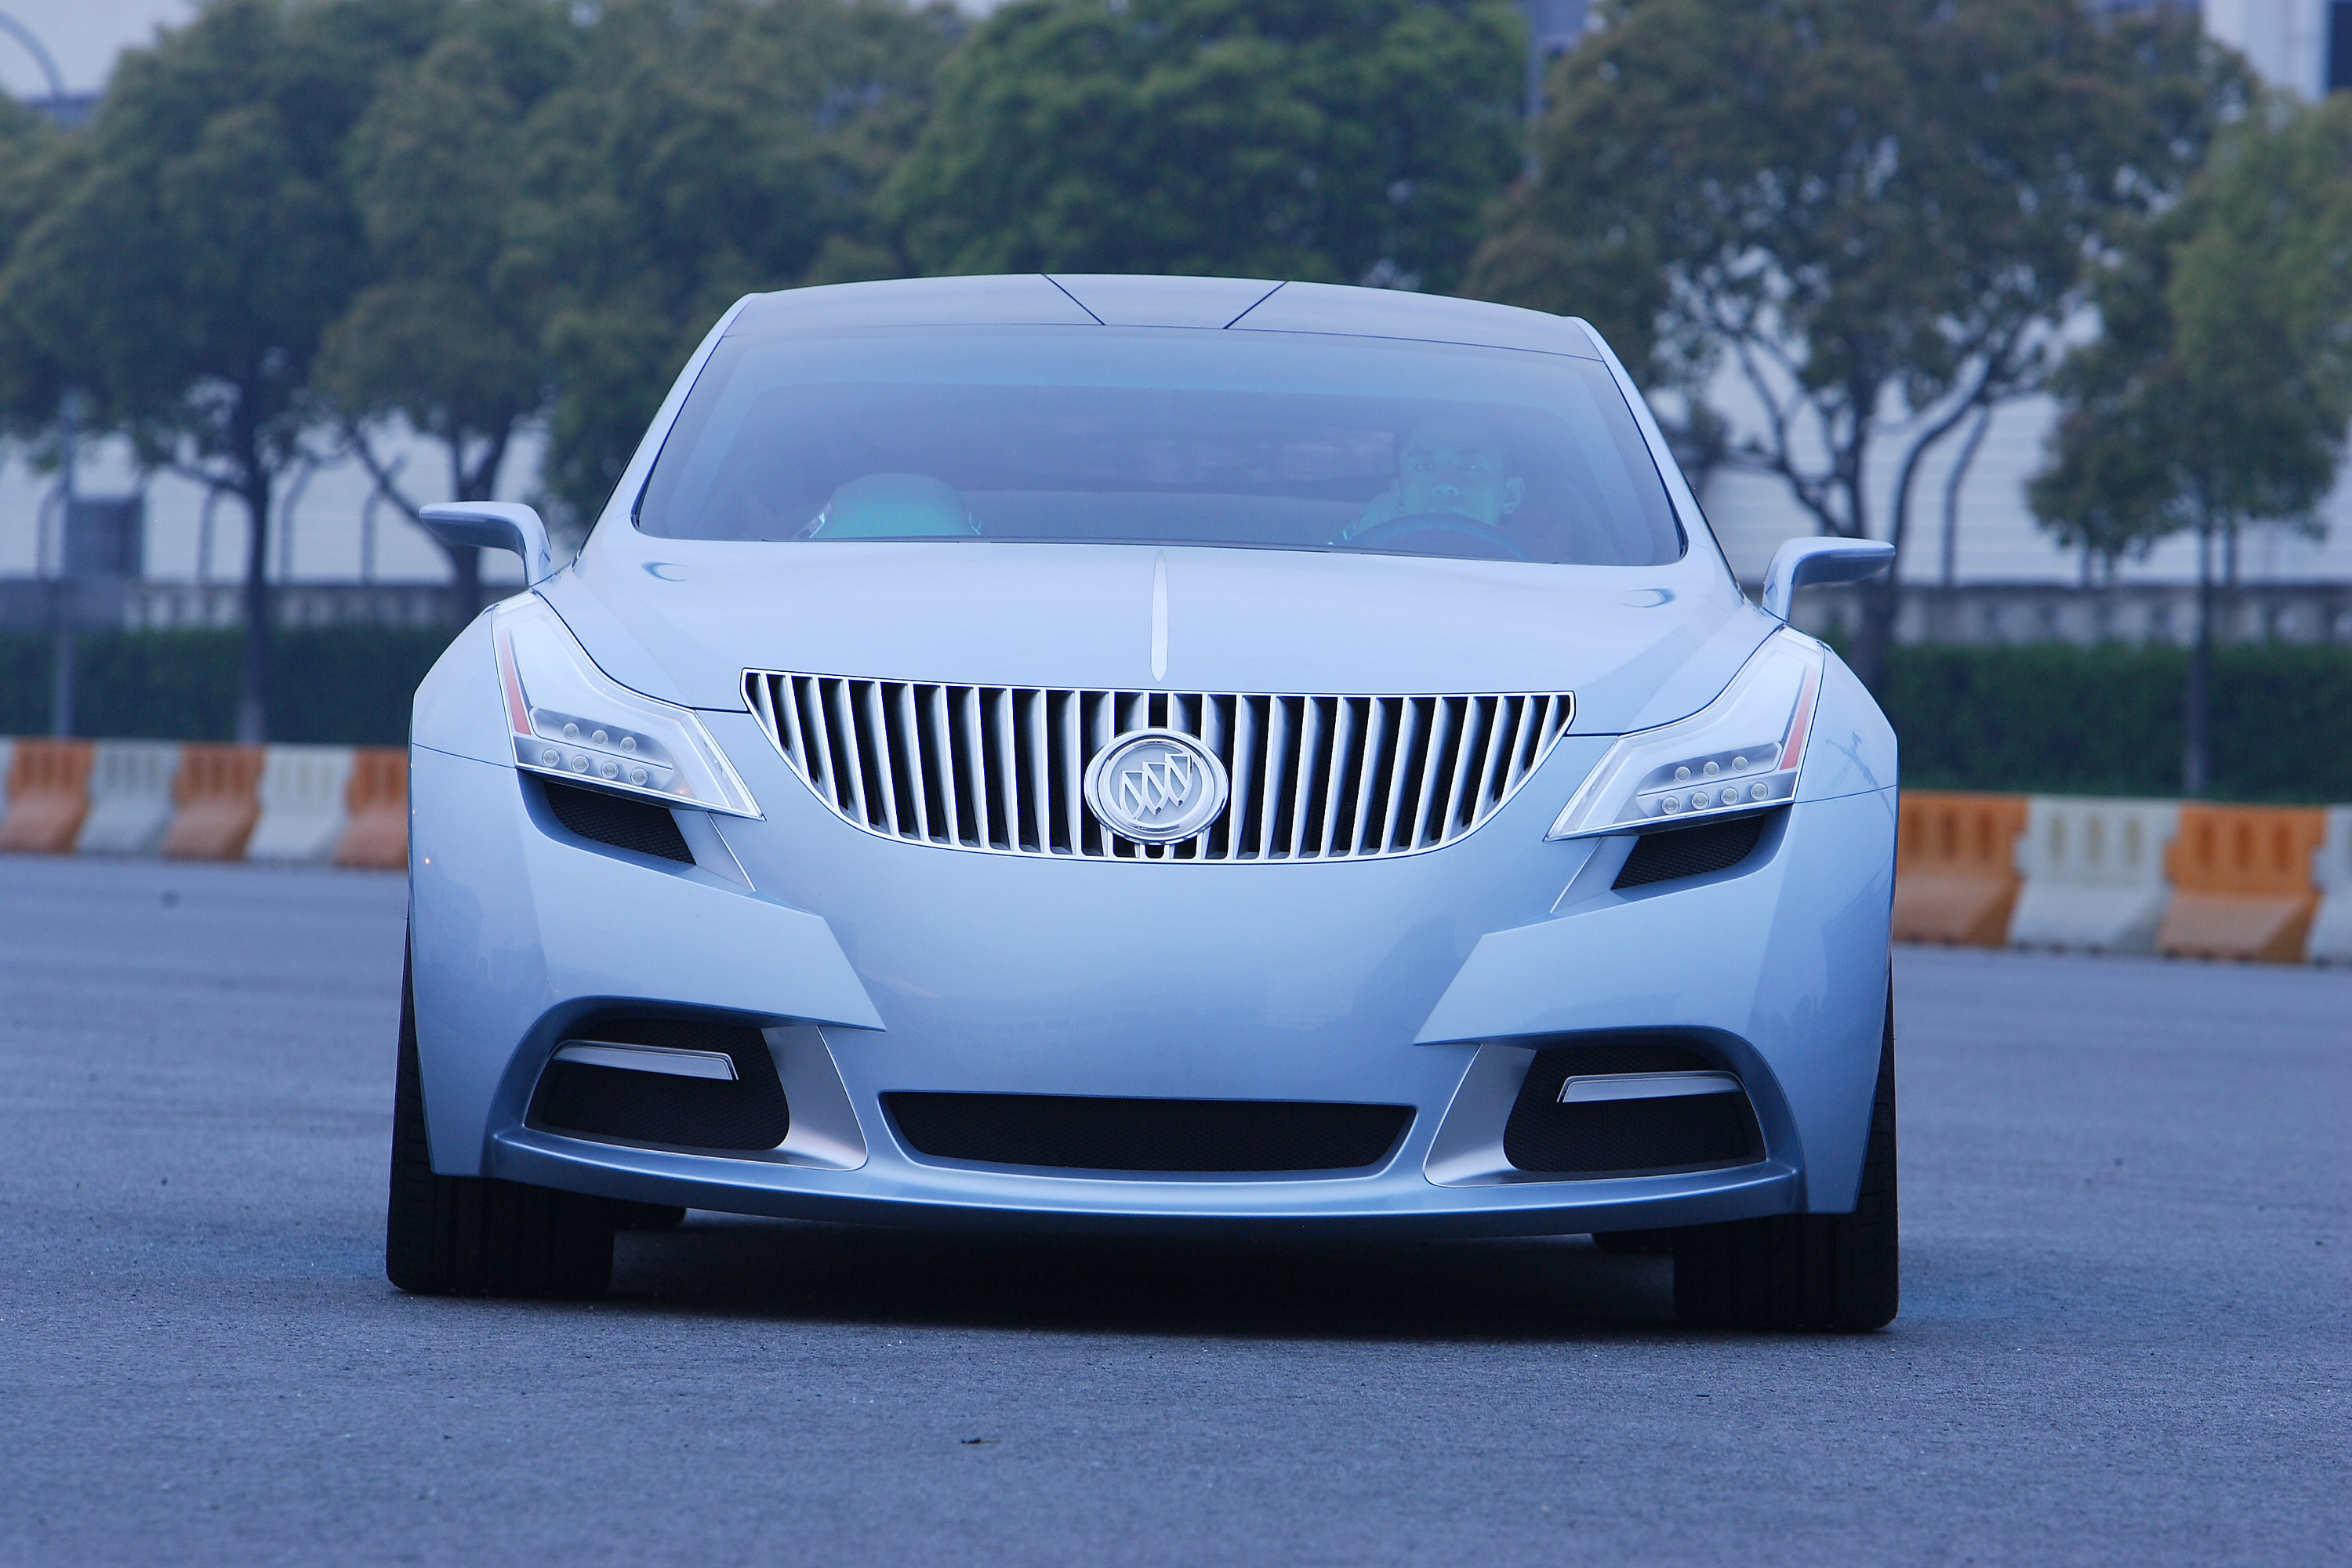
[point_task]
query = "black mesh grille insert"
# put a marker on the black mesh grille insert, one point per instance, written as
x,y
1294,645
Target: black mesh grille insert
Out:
x,y
1675,852
1625,1137
657,1107
638,824
1082,1134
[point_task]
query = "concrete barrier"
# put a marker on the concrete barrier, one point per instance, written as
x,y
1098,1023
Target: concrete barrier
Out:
x,y
2241,882
215,803
1956,877
2093,873
301,795
2331,928
48,795
129,798
377,804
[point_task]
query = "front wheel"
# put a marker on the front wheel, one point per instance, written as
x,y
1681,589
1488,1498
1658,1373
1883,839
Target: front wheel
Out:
x,y
1805,1270
476,1235
1635,1243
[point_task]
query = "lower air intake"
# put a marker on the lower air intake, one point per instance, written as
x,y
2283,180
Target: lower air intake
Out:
x,y
638,824
1626,1137
1074,1132
586,1100
1676,852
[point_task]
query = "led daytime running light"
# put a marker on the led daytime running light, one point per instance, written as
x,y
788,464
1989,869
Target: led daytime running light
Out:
x,y
1742,753
570,720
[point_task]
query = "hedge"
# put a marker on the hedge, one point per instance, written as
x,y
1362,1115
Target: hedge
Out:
x,y
346,686
2047,717
2107,720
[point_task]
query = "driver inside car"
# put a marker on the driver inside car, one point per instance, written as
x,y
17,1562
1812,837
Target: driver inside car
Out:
x,y
1447,469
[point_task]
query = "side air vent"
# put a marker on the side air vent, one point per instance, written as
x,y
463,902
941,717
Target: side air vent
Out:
x,y
1675,852
638,824
1000,768
1080,1133
584,1096
1634,1128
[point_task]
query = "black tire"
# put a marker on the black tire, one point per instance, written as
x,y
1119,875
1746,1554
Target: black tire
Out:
x,y
1805,1271
627,1215
1635,1243
475,1235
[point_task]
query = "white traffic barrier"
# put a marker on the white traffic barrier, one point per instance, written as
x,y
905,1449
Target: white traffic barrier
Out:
x,y
301,794
129,798
2331,931
2093,873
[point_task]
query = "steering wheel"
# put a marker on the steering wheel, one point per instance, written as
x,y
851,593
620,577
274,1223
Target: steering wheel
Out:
x,y
1485,533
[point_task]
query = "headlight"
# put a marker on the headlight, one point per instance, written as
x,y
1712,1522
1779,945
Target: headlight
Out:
x,y
570,720
1740,753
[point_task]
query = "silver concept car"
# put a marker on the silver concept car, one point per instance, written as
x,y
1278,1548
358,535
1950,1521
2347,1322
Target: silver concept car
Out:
x,y
1155,754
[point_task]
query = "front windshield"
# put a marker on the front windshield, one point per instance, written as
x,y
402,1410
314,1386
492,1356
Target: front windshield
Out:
x,y
1293,441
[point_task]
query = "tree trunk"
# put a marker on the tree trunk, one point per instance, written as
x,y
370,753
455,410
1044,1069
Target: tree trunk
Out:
x,y
61,683
1882,601
1953,480
1882,597
465,581
2196,698
253,673
479,481
61,596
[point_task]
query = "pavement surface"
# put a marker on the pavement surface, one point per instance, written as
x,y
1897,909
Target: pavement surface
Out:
x,y
2123,1340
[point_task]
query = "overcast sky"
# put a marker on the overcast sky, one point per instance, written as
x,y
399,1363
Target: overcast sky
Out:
x,y
82,36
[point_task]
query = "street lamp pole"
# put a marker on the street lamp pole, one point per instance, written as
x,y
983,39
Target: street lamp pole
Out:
x,y
41,56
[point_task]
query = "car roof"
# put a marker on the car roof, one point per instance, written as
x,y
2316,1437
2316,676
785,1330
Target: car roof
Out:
x,y
1081,299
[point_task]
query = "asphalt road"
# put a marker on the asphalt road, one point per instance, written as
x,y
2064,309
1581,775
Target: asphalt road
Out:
x,y
2123,1340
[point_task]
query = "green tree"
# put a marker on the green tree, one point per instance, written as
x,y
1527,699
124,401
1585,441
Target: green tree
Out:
x,y
446,341
1347,140
187,274
2219,392
698,154
35,166
1878,213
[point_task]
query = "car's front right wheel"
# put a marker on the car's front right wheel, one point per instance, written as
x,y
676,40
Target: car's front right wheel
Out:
x,y
476,1236
1804,1270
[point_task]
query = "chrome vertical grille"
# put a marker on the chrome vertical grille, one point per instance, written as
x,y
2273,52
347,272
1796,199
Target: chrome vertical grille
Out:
x,y
999,767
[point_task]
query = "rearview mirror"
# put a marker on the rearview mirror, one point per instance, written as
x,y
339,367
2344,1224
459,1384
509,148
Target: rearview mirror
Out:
x,y
1804,561
499,525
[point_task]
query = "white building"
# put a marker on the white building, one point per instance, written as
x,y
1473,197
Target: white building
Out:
x,y
2304,46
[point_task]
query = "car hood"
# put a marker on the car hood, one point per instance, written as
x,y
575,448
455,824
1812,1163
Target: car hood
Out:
x,y
682,620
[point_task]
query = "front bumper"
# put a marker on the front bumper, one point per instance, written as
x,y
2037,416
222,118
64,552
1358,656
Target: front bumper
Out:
x,y
878,966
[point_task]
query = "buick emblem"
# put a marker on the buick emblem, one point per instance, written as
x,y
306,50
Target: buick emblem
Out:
x,y
1156,786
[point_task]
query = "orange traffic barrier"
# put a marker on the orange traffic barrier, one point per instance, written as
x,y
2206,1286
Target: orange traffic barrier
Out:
x,y
2241,882
216,801
376,804
48,795
1956,876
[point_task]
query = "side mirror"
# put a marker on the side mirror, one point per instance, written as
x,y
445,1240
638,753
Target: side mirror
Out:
x,y
1802,562
502,525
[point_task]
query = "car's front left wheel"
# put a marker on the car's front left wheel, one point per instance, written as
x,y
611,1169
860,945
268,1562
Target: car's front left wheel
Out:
x,y
475,1235
1805,1270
